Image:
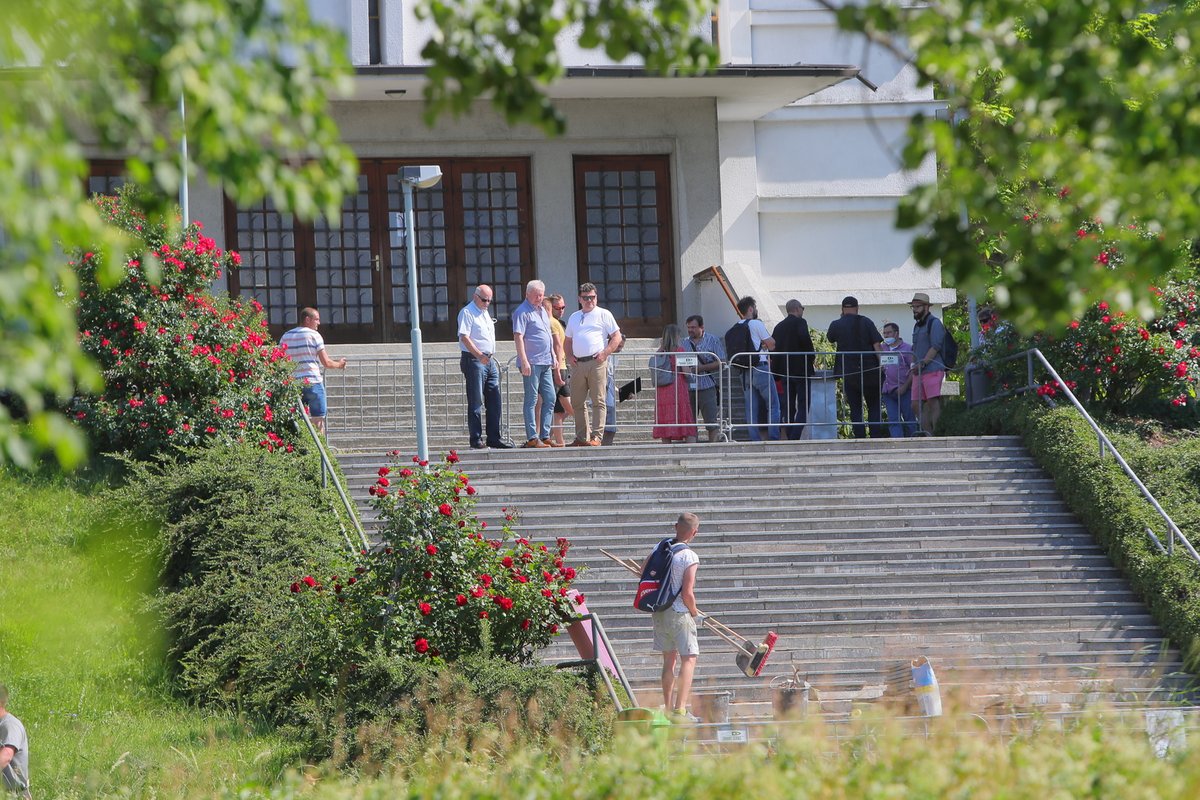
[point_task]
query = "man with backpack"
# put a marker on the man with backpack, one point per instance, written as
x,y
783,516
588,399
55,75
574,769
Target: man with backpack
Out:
x,y
750,336
929,341
675,625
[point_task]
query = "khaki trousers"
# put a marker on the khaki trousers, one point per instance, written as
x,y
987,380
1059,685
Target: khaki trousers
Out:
x,y
589,380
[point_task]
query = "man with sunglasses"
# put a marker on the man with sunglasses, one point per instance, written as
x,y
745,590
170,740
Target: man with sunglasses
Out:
x,y
592,336
477,341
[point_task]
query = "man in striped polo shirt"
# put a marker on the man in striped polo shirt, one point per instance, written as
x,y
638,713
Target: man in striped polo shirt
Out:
x,y
306,348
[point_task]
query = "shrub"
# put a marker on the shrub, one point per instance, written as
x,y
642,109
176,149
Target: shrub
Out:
x,y
1098,492
1110,361
441,584
235,522
240,523
181,367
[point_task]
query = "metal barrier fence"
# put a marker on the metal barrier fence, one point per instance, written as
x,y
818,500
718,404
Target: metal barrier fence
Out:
x,y
374,399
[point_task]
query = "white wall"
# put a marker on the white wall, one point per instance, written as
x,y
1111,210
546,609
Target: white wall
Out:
x,y
826,172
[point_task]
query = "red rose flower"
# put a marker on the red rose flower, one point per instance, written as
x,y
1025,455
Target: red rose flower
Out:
x,y
431,549
426,609
310,581
383,471
569,573
384,482
460,600
452,457
421,645
296,588
446,510
483,615
507,562
477,591
524,624
470,490
486,580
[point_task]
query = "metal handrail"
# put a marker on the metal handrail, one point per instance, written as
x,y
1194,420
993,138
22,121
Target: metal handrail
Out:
x,y
1106,446
328,472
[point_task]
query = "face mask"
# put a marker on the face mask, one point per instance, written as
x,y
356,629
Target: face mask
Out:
x,y
889,340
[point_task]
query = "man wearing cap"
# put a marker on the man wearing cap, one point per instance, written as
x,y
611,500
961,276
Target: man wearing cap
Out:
x,y
928,339
856,337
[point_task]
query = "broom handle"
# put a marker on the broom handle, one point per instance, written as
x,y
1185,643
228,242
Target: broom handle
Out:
x,y
721,629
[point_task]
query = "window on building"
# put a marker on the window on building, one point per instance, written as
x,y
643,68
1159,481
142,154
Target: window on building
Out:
x,y
374,33
474,227
624,236
105,177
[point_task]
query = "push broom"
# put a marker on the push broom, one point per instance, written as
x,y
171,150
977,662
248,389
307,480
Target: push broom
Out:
x,y
750,659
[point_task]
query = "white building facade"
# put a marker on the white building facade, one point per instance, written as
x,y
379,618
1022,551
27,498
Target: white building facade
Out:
x,y
778,168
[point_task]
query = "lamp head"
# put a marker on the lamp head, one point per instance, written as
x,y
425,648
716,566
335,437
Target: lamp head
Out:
x,y
421,177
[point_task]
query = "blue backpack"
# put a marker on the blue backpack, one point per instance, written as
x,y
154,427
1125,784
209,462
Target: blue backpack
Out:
x,y
654,589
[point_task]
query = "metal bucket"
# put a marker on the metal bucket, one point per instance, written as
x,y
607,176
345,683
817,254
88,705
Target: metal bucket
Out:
x,y
712,708
790,702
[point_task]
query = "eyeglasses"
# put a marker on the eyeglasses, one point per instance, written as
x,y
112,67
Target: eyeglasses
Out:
x,y
484,299
586,297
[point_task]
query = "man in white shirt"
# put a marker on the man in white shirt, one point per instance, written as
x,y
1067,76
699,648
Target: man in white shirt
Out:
x,y
592,336
477,341
306,349
675,627
14,750
758,384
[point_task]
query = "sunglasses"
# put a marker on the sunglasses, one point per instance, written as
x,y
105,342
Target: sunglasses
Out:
x,y
586,297
484,299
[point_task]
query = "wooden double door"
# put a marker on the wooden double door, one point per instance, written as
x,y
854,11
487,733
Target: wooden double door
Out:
x,y
474,227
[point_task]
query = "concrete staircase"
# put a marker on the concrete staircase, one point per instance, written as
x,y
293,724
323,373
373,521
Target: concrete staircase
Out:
x,y
859,554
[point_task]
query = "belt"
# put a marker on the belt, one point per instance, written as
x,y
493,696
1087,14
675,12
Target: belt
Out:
x,y
467,354
582,359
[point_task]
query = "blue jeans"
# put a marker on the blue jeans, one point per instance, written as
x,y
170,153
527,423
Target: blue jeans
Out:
x,y
901,420
761,387
483,391
610,396
539,382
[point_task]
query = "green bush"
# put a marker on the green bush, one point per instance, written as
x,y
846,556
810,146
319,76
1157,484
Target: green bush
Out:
x,y
238,523
1111,507
442,582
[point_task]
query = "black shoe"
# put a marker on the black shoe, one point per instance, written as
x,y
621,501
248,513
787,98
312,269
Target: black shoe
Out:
x,y
479,446
502,445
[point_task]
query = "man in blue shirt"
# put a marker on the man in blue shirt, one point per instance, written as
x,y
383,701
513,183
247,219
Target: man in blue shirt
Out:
x,y
702,384
535,359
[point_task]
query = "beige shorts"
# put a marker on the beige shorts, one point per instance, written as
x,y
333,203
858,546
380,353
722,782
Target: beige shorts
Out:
x,y
675,632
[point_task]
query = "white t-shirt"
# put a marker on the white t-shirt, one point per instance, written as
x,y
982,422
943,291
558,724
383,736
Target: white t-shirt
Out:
x,y
758,332
479,325
589,333
679,565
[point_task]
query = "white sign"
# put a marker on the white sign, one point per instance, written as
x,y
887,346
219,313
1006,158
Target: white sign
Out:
x,y
889,359
732,736
687,360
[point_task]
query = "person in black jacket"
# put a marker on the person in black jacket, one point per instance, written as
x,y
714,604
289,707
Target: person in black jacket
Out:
x,y
856,337
794,365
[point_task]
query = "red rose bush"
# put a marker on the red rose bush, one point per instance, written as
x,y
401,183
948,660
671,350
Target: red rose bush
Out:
x,y
181,366
442,583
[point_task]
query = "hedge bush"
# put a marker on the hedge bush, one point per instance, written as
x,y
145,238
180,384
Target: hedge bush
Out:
x,y
1111,507
238,523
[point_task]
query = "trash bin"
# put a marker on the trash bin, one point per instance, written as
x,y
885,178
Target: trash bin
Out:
x,y
712,707
790,701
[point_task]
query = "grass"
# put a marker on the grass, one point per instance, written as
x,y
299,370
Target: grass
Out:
x,y
84,665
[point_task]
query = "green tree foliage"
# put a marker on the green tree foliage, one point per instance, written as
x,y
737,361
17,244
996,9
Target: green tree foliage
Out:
x,y
1071,112
507,49
255,77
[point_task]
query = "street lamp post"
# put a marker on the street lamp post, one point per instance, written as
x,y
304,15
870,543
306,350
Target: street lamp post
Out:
x,y
411,178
